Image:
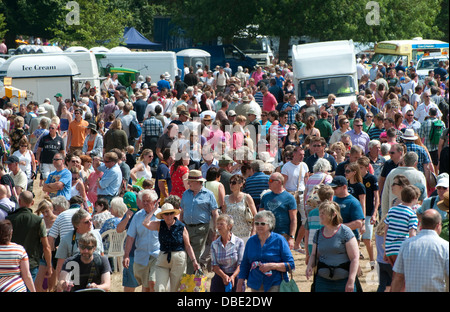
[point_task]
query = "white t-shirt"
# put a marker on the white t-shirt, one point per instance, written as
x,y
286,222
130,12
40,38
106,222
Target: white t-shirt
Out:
x,y
293,171
423,111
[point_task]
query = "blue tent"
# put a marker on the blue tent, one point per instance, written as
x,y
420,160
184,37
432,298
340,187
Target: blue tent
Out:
x,y
135,40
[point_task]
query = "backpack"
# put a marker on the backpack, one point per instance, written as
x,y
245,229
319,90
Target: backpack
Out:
x,y
437,128
135,129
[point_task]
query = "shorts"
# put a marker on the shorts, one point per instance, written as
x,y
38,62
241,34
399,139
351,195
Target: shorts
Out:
x,y
46,169
368,234
128,279
145,273
434,157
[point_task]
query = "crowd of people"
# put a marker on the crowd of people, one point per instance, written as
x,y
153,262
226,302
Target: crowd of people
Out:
x,y
228,173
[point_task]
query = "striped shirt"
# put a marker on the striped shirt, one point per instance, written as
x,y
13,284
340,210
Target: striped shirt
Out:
x,y
312,225
255,185
10,277
374,133
400,220
227,257
63,223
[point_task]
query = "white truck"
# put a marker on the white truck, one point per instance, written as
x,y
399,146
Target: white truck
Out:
x,y
85,63
427,63
42,76
324,68
152,64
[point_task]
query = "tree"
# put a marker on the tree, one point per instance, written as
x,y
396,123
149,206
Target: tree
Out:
x,y
29,18
91,23
204,20
3,29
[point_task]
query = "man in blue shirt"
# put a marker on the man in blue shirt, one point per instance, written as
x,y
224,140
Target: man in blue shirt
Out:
x,y
163,83
318,145
283,205
199,208
109,184
58,182
146,242
257,182
351,210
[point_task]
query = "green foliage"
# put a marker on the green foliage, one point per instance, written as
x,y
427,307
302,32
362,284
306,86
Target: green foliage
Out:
x,y
3,28
98,21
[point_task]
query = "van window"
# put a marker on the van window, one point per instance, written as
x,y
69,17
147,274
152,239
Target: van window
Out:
x,y
322,87
232,53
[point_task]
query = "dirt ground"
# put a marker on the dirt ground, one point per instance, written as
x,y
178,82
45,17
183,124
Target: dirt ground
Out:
x,y
369,280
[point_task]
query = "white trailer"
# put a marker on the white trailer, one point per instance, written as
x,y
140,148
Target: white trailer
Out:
x,y
152,64
85,62
42,76
324,68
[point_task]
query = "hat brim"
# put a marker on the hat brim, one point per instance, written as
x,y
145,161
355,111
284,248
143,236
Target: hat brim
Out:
x,y
197,180
407,138
441,205
160,214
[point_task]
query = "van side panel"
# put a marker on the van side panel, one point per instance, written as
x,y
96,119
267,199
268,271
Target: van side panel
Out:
x,y
39,89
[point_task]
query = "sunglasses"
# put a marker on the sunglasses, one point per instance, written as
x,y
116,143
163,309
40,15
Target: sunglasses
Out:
x,y
56,159
234,182
348,171
86,247
357,125
260,223
272,180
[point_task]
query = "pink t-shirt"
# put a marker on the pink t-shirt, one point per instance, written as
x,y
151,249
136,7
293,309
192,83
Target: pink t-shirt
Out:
x,y
269,102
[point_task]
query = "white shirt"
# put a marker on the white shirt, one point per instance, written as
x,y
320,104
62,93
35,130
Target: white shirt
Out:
x,y
423,111
151,108
293,171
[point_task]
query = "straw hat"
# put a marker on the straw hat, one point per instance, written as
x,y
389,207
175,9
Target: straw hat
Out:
x,y
167,208
196,175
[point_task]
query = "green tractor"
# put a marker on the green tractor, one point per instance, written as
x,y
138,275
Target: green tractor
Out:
x,y
125,75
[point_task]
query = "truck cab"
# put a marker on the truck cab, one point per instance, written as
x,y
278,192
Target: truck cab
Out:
x,y
228,53
324,68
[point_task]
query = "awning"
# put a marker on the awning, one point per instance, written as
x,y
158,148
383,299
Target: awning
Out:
x,y
11,92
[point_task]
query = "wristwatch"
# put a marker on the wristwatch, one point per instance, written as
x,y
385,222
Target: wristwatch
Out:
x,y
292,236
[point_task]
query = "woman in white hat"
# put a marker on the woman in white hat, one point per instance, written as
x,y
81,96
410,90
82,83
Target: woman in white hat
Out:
x,y
174,244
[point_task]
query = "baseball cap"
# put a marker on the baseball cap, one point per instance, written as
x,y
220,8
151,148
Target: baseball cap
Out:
x,y
338,181
12,159
442,182
58,95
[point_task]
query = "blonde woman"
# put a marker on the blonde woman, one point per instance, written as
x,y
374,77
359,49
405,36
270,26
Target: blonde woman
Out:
x,y
44,283
335,246
17,133
142,168
340,150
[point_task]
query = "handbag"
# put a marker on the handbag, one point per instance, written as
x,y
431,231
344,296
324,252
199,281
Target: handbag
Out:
x,y
248,213
193,282
291,285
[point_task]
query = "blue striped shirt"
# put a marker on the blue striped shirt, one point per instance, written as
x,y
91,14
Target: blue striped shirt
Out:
x,y
255,185
400,220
